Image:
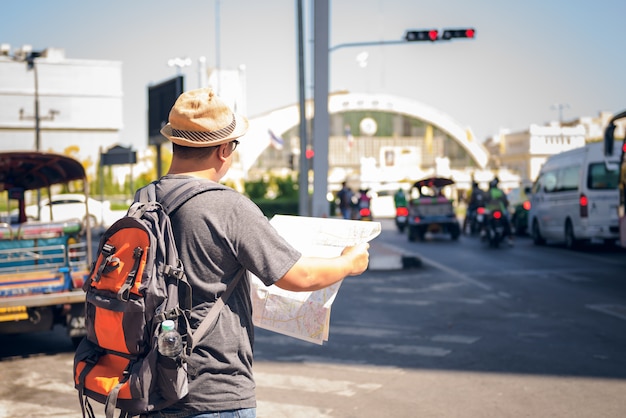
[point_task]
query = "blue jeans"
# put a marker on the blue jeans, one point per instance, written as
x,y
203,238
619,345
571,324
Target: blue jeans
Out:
x,y
236,413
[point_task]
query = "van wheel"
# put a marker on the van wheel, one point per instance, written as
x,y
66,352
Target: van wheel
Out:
x,y
570,240
536,233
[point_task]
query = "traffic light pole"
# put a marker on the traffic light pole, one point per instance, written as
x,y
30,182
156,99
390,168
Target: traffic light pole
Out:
x,y
372,43
321,120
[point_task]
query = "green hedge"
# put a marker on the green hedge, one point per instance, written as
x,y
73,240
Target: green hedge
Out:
x,y
277,206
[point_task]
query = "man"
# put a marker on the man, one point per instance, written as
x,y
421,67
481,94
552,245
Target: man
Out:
x,y
476,200
218,233
344,196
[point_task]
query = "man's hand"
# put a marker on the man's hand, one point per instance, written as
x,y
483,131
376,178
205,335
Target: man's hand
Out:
x,y
359,258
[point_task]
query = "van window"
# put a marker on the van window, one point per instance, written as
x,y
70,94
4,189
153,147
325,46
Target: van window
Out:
x,y
549,182
599,178
568,179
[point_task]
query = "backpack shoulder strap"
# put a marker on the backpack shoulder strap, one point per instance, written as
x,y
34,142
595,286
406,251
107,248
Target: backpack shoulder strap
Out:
x,y
175,198
211,316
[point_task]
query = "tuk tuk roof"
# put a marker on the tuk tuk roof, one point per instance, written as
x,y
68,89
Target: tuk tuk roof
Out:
x,y
437,182
33,170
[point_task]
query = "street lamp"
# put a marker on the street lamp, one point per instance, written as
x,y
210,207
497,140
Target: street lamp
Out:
x,y
179,63
30,58
27,55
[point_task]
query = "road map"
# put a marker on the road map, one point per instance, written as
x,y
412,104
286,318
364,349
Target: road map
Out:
x,y
306,315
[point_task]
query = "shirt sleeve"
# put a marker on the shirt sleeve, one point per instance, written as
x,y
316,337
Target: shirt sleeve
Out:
x,y
258,246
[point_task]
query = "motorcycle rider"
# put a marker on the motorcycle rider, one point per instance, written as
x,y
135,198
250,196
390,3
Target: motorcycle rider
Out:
x,y
363,202
476,200
399,198
496,200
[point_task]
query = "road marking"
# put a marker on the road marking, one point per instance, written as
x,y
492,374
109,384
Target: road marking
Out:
x,y
459,339
527,315
412,350
314,385
365,332
451,271
618,311
470,301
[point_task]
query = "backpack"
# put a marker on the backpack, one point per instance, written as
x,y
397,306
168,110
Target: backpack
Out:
x,y
137,282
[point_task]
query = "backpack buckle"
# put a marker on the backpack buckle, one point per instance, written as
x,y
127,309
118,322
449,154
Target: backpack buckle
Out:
x,y
171,271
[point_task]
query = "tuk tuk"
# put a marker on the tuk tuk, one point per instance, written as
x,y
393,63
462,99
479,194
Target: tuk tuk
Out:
x,y
430,210
42,264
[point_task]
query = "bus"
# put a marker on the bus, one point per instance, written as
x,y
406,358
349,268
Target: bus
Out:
x,y
609,140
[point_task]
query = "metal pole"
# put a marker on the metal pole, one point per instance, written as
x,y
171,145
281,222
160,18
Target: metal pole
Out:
x,y
37,131
321,119
217,46
303,169
33,64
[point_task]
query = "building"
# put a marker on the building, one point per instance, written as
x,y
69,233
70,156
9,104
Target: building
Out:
x,y
80,102
525,152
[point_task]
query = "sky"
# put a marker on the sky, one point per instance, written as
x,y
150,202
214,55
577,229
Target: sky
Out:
x,y
528,59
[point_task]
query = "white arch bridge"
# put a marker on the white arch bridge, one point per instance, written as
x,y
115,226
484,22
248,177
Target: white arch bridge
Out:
x,y
281,120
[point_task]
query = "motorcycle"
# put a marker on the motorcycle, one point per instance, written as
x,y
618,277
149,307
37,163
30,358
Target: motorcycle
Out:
x,y
494,228
402,216
362,207
473,221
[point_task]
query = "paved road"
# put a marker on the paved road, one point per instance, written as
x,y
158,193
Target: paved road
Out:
x,y
451,338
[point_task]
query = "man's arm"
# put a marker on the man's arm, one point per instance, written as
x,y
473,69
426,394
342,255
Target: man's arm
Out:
x,y
314,273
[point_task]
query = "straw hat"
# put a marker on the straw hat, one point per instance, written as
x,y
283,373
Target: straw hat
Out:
x,y
199,118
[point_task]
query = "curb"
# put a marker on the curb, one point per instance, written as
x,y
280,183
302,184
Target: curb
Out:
x,y
384,257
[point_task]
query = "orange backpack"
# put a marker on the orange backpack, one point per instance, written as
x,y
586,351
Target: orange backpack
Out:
x,y
136,283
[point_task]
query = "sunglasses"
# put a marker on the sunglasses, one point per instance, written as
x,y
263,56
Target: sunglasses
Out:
x,y
235,143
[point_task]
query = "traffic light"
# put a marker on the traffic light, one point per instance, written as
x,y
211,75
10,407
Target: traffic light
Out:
x,y
458,33
421,35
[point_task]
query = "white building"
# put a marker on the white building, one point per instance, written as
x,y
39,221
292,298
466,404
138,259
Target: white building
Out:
x,y
80,102
525,152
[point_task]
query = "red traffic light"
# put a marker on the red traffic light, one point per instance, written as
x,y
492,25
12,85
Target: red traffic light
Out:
x,y
421,35
458,33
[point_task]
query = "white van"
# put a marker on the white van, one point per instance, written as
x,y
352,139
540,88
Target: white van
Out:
x,y
575,197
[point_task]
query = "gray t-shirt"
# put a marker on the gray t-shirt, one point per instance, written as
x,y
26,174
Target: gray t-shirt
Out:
x,y
217,233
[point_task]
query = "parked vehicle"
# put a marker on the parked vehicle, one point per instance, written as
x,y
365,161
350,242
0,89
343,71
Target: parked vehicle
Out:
x,y
574,199
42,264
382,205
430,210
69,206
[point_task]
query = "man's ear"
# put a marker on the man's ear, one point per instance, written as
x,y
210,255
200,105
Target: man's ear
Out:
x,y
224,151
